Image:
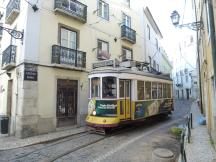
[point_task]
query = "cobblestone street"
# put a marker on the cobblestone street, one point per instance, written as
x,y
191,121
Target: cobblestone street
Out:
x,y
130,144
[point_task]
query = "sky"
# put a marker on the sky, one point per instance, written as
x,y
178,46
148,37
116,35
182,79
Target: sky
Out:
x,y
161,11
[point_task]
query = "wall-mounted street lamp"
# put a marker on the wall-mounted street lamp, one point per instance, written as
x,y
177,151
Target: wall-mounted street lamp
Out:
x,y
14,33
175,17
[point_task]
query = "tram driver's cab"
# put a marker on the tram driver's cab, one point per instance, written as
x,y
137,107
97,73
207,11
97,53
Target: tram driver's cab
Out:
x,y
109,99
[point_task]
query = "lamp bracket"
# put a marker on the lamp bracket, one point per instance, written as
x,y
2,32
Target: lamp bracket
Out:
x,y
14,33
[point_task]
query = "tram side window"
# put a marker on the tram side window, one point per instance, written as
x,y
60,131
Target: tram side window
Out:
x,y
164,90
95,87
121,89
109,87
168,90
147,90
140,90
159,90
154,90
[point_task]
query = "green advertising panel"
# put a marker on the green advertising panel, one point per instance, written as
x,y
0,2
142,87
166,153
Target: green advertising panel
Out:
x,y
106,108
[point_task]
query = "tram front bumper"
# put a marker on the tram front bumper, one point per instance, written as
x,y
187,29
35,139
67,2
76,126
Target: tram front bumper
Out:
x,y
102,122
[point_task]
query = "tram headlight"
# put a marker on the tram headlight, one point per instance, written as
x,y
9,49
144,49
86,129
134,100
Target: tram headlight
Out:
x,y
94,112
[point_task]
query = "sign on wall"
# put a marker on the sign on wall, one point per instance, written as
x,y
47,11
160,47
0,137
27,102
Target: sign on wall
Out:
x,y
30,72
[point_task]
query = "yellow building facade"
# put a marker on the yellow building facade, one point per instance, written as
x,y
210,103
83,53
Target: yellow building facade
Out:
x,y
44,76
207,62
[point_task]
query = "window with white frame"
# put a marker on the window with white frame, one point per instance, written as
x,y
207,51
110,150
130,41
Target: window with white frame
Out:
x,y
103,50
68,38
126,20
103,10
126,54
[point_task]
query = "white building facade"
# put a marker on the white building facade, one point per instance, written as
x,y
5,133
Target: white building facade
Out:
x,y
185,71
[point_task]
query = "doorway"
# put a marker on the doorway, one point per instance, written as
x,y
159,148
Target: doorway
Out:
x,y
66,112
188,94
125,99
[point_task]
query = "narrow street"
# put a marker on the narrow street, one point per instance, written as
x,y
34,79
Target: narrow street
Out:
x,y
134,143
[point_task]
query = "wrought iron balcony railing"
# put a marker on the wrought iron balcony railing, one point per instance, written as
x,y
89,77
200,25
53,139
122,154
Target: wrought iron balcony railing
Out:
x,y
9,57
12,11
72,8
67,56
128,34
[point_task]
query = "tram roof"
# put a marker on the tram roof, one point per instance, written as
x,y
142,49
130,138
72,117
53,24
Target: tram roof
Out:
x,y
129,71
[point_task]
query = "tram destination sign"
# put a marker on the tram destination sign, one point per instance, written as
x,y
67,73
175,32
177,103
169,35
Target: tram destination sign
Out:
x,y
105,63
30,72
104,107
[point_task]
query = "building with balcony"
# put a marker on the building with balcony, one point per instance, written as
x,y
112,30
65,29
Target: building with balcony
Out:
x,y
44,76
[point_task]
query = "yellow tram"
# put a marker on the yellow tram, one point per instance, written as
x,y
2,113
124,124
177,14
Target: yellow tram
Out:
x,y
122,95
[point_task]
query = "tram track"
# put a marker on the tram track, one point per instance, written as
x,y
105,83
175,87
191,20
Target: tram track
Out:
x,y
150,130
63,147
118,131
74,140
55,142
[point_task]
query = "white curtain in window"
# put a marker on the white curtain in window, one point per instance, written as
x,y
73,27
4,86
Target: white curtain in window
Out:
x,y
68,38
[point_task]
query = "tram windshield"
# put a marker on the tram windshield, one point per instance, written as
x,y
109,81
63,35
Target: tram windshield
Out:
x,y
95,87
109,87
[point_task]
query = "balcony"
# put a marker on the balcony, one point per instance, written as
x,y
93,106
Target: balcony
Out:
x,y
68,58
9,58
12,11
128,34
72,8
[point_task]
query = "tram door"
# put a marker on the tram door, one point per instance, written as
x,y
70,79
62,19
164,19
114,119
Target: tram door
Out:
x,y
124,99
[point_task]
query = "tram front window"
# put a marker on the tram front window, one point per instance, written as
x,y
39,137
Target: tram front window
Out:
x,y
109,87
95,87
